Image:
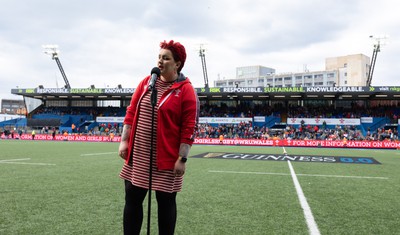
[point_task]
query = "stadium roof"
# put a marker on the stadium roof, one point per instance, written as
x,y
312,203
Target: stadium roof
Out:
x,y
222,93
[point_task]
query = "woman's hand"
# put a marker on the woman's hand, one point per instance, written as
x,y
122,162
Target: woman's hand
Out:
x,y
179,168
123,145
123,149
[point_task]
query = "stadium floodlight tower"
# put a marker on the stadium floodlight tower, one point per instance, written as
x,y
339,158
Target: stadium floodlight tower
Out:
x,y
53,51
378,41
203,62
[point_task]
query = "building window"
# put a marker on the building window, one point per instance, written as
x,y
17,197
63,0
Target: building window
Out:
x,y
261,80
108,103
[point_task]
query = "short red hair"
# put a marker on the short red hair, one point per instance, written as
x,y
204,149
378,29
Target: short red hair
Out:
x,y
178,51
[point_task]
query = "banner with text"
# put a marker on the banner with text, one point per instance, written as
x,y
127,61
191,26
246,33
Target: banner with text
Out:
x,y
238,142
302,143
110,119
225,120
320,121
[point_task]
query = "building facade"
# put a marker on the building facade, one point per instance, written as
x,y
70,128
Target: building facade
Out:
x,y
351,70
13,107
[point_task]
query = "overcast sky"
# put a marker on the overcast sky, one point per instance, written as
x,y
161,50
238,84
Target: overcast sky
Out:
x,y
106,43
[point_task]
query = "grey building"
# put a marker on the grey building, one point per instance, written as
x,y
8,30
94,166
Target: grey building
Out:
x,y
351,70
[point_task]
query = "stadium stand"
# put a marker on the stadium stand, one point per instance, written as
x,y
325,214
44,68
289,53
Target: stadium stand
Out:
x,y
254,116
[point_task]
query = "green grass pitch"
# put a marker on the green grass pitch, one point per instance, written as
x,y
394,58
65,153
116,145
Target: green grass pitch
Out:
x,y
73,188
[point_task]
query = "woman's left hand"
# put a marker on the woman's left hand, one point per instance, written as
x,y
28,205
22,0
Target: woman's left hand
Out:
x,y
179,168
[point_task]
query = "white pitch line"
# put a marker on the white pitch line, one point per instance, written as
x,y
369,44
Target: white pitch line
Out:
x,y
311,175
15,161
27,163
312,225
253,173
94,154
347,176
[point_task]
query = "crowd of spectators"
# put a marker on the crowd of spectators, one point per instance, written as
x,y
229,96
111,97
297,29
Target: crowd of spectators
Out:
x,y
354,111
91,111
245,130
243,110
106,129
246,109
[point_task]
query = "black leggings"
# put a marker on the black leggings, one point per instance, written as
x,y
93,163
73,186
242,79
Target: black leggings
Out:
x,y
133,211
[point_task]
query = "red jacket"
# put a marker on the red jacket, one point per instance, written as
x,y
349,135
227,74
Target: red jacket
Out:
x,y
178,113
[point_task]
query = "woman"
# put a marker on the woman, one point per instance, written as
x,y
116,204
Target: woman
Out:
x,y
175,120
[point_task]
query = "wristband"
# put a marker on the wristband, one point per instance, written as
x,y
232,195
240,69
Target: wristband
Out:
x,y
182,159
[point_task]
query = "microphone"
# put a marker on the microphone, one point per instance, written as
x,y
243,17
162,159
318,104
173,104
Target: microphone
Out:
x,y
155,73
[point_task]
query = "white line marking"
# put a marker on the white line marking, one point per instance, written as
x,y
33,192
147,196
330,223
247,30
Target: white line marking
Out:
x,y
311,175
94,154
244,172
347,176
13,161
26,163
312,225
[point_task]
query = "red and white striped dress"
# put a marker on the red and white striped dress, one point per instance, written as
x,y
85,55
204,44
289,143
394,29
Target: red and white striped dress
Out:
x,y
138,171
